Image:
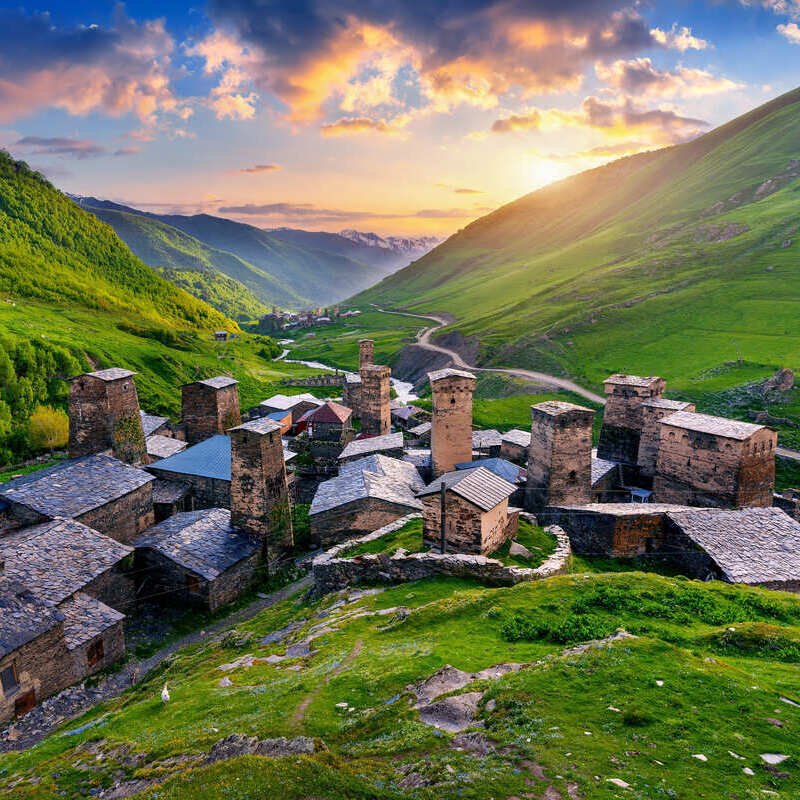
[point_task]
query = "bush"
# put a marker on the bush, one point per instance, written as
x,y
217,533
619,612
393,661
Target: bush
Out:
x,y
49,428
569,629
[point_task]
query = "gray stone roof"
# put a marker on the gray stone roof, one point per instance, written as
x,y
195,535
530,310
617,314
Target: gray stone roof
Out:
x,y
421,429
374,444
151,423
76,486
111,374
601,467
159,446
56,559
23,616
717,426
219,382
632,380
663,402
555,408
626,509
479,486
166,491
261,425
375,476
352,377
84,618
517,437
483,439
749,545
420,457
440,374
203,542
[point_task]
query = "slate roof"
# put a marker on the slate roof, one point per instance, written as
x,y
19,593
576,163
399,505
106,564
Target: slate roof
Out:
x,y
375,476
484,439
159,446
420,457
165,491
717,426
499,466
601,467
352,377
626,509
76,486
203,542
210,458
374,444
420,430
219,382
261,425
330,412
663,402
85,617
555,408
439,374
151,423
111,374
405,412
749,545
283,402
23,616
479,486
58,558
632,380
517,437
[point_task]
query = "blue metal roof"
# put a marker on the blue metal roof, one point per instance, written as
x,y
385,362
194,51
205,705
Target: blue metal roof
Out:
x,y
279,416
210,458
499,466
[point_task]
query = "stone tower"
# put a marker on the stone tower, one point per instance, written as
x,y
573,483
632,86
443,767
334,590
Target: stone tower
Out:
x,y
209,407
559,456
451,425
622,417
366,353
259,490
375,408
653,411
104,415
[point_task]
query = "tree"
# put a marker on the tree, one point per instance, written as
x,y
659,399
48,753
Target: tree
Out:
x,y
49,428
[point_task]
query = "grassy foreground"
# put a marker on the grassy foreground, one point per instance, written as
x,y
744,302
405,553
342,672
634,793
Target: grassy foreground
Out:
x,y
709,674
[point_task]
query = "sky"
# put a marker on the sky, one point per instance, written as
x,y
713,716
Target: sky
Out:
x,y
404,118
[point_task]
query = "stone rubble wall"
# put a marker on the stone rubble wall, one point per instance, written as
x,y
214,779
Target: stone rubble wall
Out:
x,y
333,572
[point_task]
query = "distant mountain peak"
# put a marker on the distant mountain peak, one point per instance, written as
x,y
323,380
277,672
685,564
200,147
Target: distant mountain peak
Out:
x,y
413,246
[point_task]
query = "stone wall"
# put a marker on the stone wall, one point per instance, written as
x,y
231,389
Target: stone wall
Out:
x,y
366,353
205,492
208,410
559,456
468,529
162,580
353,519
375,400
451,423
113,639
116,587
125,518
703,469
332,572
653,411
232,583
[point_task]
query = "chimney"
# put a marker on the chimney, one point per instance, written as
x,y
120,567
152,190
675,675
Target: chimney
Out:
x,y
375,397
209,407
451,426
559,456
366,353
259,491
104,415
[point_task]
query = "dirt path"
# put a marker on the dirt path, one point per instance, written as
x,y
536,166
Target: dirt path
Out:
x,y
300,714
424,341
786,452
75,701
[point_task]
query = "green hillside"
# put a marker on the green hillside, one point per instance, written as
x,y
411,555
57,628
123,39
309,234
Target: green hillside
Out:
x,y
679,262
684,710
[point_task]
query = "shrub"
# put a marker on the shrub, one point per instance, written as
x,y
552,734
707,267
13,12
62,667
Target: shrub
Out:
x,y
49,428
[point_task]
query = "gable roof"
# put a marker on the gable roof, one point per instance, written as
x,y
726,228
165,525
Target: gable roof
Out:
x,y
160,446
210,458
151,423
75,486
23,616
490,438
421,429
110,374
518,437
284,402
330,412
479,486
499,466
373,444
717,426
440,374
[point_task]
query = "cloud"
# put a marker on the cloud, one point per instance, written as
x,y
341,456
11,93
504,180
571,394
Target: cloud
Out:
x,y
123,69
62,146
790,31
465,190
640,77
680,39
518,122
603,152
364,63
256,168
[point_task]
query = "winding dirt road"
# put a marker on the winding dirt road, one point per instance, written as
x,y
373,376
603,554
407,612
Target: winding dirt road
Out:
x,y
543,378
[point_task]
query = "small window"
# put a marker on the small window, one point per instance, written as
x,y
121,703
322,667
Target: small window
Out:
x,y
95,653
9,680
192,584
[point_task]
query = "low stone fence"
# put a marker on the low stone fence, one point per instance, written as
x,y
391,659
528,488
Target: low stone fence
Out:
x,y
332,571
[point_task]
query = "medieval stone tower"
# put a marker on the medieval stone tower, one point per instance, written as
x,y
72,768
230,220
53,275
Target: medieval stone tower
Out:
x,y
622,417
560,456
375,408
259,490
104,415
451,426
366,353
209,407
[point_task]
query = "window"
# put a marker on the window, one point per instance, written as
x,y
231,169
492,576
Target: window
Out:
x,y
9,680
95,653
193,584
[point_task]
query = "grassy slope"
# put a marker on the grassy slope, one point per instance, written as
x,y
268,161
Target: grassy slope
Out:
x,y
604,271
581,718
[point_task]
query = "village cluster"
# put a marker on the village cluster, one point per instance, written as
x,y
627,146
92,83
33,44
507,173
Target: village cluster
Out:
x,y
193,513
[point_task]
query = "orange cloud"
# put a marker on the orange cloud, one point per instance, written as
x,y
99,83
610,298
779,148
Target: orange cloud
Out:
x,y
641,77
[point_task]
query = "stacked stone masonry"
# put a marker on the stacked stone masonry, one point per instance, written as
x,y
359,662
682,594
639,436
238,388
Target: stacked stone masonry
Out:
x,y
375,400
451,424
209,407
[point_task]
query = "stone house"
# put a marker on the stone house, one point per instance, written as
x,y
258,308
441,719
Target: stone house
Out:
x,y
653,411
514,474
607,481
331,422
476,511
407,417
713,461
421,433
298,404
389,445
487,443
209,407
366,495
514,446
283,418
100,491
